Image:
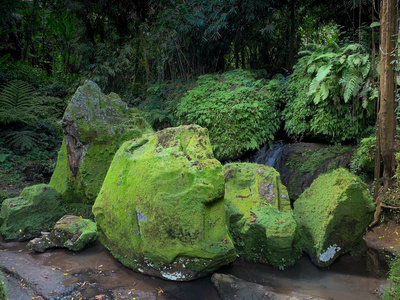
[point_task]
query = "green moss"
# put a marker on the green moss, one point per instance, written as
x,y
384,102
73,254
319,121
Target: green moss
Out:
x,y
332,215
34,211
309,161
3,289
251,185
261,222
159,196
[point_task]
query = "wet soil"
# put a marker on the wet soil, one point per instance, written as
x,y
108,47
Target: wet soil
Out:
x,y
90,274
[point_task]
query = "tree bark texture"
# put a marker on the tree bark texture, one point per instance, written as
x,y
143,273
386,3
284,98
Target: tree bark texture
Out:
x,y
386,115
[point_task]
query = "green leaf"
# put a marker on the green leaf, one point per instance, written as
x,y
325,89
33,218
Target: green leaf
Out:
x,y
375,24
323,72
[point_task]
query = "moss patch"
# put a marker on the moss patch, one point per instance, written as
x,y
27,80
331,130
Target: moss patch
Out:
x,y
332,215
36,210
160,209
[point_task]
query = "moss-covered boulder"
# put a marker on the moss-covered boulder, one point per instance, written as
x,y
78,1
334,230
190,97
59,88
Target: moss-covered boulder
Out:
x,y
71,232
95,125
260,218
161,211
35,210
332,215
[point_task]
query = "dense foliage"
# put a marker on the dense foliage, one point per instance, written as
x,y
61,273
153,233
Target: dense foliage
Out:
x,y
393,291
238,109
330,94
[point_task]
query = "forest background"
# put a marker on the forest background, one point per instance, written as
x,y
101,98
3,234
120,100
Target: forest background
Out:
x,y
293,70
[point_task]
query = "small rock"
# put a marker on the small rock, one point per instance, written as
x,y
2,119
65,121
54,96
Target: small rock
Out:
x,y
70,232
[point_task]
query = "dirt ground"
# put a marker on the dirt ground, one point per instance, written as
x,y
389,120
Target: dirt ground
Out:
x,y
384,238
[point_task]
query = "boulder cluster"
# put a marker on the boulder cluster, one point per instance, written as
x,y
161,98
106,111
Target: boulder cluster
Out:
x,y
164,206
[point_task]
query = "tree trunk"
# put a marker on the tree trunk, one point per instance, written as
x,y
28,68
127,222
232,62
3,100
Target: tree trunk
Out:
x,y
28,32
386,116
146,61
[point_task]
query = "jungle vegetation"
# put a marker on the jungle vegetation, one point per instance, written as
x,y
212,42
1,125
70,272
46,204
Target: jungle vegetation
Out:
x,y
250,71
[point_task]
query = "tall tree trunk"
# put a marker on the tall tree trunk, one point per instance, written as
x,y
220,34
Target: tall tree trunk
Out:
x,y
386,116
292,33
146,61
28,32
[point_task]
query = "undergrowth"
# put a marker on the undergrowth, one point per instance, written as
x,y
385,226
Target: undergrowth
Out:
x,y
393,291
238,109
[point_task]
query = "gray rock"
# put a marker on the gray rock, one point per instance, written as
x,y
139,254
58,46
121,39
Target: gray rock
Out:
x,y
232,288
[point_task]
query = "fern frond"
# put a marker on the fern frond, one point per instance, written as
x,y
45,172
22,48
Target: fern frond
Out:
x,y
16,99
313,86
23,140
324,90
349,88
323,72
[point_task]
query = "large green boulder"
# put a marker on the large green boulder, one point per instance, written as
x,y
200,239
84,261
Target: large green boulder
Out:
x,y
332,215
35,210
260,218
95,125
71,232
161,210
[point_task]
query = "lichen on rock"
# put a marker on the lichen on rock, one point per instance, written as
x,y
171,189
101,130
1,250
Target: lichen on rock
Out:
x,y
71,232
260,217
160,210
332,215
35,210
95,125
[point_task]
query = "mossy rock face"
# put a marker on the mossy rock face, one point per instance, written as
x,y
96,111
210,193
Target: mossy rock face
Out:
x,y
95,125
36,210
261,222
332,215
71,232
161,211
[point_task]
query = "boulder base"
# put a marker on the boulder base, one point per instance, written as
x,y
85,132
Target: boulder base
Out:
x,y
161,209
332,215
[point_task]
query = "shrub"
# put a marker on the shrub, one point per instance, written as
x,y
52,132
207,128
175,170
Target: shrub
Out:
x,y
160,106
238,109
393,291
329,93
364,156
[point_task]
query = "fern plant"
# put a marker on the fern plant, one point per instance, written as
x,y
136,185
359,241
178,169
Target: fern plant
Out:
x,y
238,109
23,140
330,94
19,103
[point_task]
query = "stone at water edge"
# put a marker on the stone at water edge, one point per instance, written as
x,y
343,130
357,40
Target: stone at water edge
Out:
x,y
24,217
332,215
260,218
95,125
161,209
230,287
71,232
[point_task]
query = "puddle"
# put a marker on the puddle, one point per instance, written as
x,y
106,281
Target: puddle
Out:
x,y
61,274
